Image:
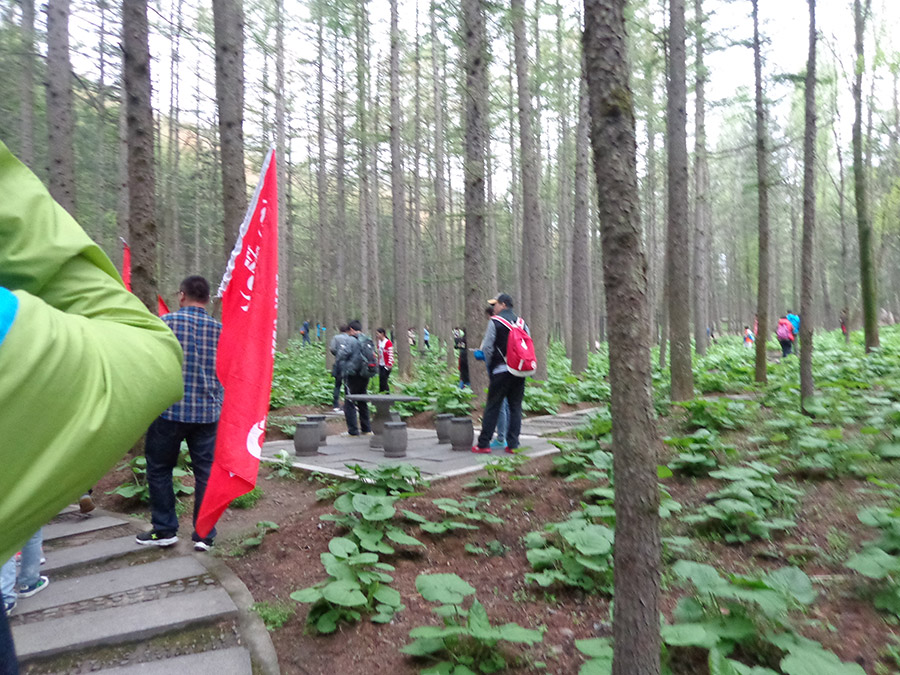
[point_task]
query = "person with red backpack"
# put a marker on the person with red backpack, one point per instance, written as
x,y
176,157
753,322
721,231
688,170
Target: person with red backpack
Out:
x,y
509,353
785,334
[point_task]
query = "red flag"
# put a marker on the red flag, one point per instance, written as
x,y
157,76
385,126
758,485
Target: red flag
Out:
x,y
249,293
126,265
161,306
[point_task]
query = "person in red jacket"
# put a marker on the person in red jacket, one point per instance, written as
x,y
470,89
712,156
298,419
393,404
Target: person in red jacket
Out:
x,y
385,359
785,334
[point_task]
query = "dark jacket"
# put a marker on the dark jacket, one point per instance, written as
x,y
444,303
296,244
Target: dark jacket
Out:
x,y
495,338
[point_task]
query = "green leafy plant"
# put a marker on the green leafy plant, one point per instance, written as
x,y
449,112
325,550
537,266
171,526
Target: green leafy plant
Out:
x,y
248,500
506,465
282,467
273,614
699,453
748,506
400,480
574,553
357,585
467,642
368,521
492,548
752,613
583,460
718,414
263,528
138,488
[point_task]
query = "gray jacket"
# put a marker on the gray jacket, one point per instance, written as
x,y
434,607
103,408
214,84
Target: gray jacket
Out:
x,y
342,346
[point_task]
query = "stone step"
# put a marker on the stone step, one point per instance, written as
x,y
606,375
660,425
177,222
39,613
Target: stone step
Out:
x,y
231,661
118,625
71,528
119,580
64,559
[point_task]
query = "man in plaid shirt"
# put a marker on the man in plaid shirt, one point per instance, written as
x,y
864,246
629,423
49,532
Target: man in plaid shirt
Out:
x,y
193,419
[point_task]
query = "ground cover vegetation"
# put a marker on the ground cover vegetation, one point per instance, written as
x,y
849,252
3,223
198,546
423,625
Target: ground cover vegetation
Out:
x,y
780,546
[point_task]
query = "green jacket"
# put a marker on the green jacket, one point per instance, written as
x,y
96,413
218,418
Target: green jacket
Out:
x,y
84,366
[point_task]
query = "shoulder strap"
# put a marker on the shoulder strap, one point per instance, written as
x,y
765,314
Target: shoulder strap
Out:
x,y
503,321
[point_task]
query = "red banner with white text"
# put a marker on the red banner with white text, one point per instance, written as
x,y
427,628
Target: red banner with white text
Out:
x,y
246,353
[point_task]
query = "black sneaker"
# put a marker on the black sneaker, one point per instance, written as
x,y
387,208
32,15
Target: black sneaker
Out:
x,y
154,538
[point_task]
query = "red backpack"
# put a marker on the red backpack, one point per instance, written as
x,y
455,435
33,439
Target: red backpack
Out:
x,y
520,357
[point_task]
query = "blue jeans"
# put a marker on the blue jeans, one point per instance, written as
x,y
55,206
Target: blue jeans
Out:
x,y
29,568
9,665
161,448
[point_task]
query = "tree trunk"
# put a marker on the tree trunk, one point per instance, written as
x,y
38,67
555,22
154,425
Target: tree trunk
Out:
x,y
581,243
534,239
863,222
324,305
284,248
678,239
635,442
401,272
60,106
340,225
26,108
228,20
362,97
141,179
701,193
809,218
762,186
474,277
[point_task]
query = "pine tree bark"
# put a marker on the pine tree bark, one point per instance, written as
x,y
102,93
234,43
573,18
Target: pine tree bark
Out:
x,y
141,177
807,322
60,106
581,242
678,238
401,270
362,98
762,186
863,221
26,84
284,248
324,307
701,191
476,111
228,20
636,636
533,234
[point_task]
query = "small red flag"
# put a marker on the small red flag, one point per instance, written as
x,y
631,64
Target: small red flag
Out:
x,y
126,265
161,306
246,353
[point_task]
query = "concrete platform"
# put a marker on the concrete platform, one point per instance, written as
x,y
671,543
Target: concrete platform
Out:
x,y
111,582
120,624
433,460
231,661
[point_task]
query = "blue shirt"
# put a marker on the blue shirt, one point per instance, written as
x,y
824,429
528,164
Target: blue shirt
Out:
x,y
795,322
9,305
198,334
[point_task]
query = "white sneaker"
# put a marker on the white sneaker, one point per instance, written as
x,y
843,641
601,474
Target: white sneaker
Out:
x,y
338,410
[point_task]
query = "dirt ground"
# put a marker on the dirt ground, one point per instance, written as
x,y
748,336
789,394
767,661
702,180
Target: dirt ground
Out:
x,y
843,617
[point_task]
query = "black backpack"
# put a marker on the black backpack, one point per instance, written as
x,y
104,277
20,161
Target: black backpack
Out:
x,y
365,362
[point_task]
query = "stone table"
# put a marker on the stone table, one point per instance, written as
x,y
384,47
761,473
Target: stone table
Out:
x,y
382,404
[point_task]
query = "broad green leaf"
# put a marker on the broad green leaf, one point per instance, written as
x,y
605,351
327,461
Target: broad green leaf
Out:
x,y
704,577
543,557
448,589
311,594
400,537
596,648
327,623
388,596
805,661
793,582
374,508
423,647
592,540
478,623
874,563
342,547
344,593
689,635
513,632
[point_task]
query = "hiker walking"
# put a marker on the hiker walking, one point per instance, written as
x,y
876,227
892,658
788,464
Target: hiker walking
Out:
x,y
509,353
785,334
342,342
357,365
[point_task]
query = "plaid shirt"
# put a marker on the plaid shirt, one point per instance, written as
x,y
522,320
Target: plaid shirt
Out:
x,y
198,334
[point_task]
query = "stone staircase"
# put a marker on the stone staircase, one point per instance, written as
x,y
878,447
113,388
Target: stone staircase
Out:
x,y
115,607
